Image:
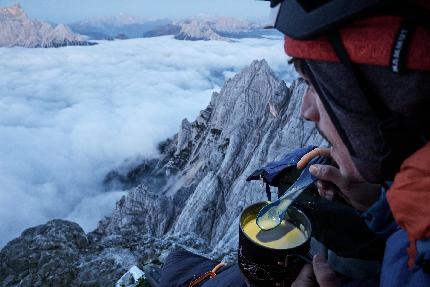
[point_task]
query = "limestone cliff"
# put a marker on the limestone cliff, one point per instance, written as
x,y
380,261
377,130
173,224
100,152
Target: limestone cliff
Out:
x,y
189,196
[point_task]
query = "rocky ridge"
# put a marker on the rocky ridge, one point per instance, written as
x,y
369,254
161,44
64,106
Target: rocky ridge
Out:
x,y
16,29
198,30
109,27
190,196
207,28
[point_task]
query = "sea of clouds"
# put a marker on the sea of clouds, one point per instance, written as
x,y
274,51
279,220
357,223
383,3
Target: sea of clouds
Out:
x,y
70,115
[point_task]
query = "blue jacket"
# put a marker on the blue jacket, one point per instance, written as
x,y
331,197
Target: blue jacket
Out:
x,y
395,271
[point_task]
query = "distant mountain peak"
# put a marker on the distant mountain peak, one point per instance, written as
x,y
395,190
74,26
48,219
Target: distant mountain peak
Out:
x,y
118,20
127,19
107,28
18,30
15,10
206,28
198,30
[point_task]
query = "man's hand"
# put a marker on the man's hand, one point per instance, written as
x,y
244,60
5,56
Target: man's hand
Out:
x,y
319,273
360,194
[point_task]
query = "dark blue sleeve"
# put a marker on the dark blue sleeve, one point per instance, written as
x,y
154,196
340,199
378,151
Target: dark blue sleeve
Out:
x,y
423,254
379,217
395,271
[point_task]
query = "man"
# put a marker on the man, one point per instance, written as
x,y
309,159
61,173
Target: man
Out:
x,y
369,94
376,119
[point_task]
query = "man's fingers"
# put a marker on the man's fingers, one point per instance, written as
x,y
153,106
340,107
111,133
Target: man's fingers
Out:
x,y
325,189
306,277
324,274
319,151
323,185
324,152
307,157
327,173
320,270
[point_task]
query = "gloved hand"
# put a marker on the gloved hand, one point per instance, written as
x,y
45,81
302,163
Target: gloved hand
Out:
x,y
318,273
285,167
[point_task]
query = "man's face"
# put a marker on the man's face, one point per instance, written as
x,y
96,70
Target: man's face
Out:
x,y
312,109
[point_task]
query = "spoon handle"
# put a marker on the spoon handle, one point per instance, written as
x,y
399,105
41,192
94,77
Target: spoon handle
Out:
x,y
300,185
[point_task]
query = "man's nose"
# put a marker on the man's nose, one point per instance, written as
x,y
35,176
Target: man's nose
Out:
x,y
309,108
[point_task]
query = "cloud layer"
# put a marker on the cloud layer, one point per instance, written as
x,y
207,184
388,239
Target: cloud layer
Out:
x,y
69,115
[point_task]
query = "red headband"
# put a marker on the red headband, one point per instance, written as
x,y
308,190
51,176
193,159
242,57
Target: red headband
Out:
x,y
368,41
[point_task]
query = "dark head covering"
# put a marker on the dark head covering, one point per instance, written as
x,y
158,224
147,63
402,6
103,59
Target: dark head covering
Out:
x,y
407,96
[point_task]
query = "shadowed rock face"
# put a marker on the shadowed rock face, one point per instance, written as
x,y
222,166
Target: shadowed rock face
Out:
x,y
190,196
45,253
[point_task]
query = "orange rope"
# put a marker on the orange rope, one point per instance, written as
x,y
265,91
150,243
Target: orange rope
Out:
x,y
310,155
208,275
218,267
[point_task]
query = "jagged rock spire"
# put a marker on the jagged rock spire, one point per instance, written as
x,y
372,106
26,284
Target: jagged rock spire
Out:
x,y
184,136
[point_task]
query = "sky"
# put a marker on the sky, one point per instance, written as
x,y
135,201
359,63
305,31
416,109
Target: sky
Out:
x,y
70,115
66,11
